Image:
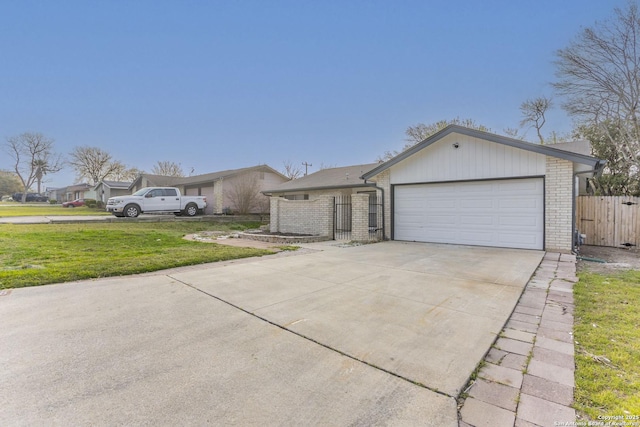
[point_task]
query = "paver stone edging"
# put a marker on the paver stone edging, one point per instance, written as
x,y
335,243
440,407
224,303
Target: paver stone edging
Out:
x,y
527,377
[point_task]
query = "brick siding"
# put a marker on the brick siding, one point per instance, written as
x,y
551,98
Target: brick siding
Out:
x,y
302,216
558,205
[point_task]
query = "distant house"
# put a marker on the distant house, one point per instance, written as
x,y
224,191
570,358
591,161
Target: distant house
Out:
x,y
222,189
149,180
106,189
78,191
56,194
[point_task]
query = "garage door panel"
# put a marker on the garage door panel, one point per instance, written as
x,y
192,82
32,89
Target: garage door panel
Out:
x,y
472,221
476,203
505,213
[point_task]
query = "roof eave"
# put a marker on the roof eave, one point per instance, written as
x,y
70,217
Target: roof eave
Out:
x,y
326,187
540,149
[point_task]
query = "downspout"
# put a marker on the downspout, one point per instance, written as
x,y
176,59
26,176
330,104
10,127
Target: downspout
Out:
x,y
384,236
596,172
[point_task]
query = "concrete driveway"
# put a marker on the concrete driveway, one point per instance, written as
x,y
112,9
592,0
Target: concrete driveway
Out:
x,y
379,334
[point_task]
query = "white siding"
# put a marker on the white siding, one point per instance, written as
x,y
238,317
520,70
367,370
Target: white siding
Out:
x,y
473,159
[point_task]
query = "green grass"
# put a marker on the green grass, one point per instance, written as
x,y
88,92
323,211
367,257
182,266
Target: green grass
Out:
x,y
10,209
39,254
607,330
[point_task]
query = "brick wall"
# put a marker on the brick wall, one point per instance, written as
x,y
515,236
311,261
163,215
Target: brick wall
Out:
x,y
302,216
558,205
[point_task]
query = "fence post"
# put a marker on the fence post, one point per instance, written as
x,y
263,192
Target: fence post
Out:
x,y
274,214
360,217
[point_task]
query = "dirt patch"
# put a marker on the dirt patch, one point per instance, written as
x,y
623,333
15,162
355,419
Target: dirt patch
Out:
x,y
222,238
616,259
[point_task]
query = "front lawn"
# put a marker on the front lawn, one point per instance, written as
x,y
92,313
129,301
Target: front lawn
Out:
x,y
607,335
8,209
39,254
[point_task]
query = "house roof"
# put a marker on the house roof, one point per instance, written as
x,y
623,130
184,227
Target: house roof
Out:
x,y
547,150
214,176
155,180
115,184
342,177
581,146
78,187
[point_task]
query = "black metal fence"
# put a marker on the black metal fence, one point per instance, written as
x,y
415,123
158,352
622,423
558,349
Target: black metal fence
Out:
x,y
342,217
376,218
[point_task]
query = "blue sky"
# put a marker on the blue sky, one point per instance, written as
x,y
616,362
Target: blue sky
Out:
x,y
217,85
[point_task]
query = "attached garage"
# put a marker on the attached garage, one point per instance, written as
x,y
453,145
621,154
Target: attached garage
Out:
x,y
505,213
463,186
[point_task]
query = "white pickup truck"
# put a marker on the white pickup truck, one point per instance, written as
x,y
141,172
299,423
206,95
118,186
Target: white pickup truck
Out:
x,y
156,200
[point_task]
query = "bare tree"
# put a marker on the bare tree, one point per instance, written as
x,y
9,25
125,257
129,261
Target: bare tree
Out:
x,y
290,170
123,173
533,114
512,133
94,164
245,196
167,168
420,132
33,157
599,76
324,166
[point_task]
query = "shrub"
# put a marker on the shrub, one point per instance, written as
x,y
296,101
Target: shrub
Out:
x,y
90,203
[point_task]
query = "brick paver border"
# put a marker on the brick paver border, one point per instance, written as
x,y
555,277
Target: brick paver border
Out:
x,y
527,378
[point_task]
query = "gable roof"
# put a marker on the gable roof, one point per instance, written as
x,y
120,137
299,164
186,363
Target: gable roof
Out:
x,y
547,150
214,176
114,184
342,177
154,180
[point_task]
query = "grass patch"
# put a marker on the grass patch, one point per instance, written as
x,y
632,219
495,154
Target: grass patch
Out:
x,y
45,209
607,330
39,254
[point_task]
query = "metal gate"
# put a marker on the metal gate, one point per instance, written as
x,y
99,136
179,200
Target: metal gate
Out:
x,y
376,218
342,217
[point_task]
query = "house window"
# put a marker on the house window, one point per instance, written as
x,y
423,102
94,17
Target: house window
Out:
x,y
297,197
261,175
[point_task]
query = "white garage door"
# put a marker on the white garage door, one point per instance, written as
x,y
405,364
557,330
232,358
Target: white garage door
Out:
x,y
503,213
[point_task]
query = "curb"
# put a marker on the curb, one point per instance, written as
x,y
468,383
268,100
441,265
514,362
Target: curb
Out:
x,y
527,378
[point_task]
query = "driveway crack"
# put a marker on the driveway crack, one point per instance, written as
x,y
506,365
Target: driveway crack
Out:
x,y
335,350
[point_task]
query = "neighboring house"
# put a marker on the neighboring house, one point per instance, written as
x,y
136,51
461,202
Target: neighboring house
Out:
x,y
464,186
56,194
149,180
106,189
222,189
78,191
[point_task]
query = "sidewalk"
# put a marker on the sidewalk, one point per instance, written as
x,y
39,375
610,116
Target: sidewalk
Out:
x,y
527,377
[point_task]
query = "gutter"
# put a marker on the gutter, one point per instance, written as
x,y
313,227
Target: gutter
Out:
x,y
382,191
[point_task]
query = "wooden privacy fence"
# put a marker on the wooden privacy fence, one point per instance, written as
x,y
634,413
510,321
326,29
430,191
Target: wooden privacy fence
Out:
x,y
609,220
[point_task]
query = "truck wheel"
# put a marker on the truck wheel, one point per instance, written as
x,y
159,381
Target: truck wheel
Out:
x,y
191,210
131,211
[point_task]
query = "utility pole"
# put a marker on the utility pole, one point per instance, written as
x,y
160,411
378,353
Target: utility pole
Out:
x,y
306,167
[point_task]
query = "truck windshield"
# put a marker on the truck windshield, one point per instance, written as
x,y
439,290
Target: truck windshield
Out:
x,y
140,192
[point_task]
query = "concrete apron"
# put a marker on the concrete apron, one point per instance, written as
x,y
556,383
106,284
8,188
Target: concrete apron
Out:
x,y
385,333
